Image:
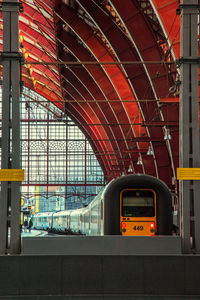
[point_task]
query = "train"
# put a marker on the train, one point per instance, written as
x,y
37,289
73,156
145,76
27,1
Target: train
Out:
x,y
131,205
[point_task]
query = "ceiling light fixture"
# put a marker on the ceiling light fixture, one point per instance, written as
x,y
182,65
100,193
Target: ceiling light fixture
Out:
x,y
150,151
139,162
130,170
167,135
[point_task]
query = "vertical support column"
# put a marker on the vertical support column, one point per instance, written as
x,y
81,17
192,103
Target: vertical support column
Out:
x,y
85,188
67,145
15,148
10,191
48,156
189,126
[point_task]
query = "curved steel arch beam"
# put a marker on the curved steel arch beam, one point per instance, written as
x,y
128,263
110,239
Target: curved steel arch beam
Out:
x,y
136,79
31,14
38,38
84,86
88,43
91,112
120,45
78,92
46,5
85,94
147,46
110,32
96,74
170,22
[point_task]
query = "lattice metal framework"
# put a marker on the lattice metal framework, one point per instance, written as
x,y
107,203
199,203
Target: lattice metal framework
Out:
x,y
56,156
61,169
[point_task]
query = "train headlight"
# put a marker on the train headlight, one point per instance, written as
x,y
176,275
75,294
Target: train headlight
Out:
x,y
152,225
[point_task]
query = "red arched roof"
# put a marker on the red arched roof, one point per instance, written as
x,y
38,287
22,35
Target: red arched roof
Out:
x,y
123,108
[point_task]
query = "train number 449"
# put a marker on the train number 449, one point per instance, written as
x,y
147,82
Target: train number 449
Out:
x,y
138,228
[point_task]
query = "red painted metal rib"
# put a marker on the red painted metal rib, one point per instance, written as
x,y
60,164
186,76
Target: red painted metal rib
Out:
x,y
99,36
92,70
123,49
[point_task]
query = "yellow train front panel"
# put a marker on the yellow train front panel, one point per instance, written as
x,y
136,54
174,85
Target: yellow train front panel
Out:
x,y
147,228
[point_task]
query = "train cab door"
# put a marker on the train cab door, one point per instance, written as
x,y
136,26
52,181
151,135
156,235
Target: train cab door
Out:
x,y
101,222
51,221
79,222
90,219
99,219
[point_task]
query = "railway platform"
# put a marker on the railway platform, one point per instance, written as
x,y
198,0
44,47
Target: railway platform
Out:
x,y
102,275
33,233
41,244
99,277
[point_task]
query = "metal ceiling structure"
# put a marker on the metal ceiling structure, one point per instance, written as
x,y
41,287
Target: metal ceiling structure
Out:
x,y
111,68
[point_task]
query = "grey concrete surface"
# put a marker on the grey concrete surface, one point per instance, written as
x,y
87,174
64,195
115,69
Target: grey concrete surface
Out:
x,y
102,297
101,245
99,277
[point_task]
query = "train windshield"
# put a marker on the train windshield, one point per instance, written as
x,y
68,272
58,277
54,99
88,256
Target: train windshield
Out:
x,y
138,203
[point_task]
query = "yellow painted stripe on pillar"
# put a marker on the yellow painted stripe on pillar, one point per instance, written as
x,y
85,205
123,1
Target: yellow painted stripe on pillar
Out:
x,y
11,175
188,173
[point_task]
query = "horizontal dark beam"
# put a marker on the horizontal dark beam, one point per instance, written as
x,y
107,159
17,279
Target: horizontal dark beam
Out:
x,y
147,139
97,63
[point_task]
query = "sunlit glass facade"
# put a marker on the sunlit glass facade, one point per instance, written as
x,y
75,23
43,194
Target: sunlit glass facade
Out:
x,y
61,170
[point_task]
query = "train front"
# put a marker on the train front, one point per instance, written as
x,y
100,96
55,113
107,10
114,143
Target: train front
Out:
x,y
137,205
138,212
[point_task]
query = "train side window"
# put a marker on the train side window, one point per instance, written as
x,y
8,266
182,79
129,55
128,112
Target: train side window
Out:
x,y
138,203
